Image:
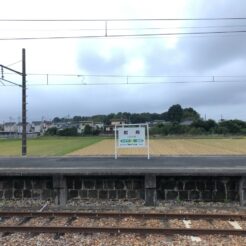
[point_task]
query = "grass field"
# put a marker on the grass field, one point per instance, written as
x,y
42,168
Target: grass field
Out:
x,y
46,146
99,146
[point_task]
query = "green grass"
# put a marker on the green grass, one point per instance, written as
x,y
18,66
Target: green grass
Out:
x,y
46,146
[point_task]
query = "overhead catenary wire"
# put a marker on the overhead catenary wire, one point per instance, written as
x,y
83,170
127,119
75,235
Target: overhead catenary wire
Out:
x,y
14,63
123,35
132,76
125,29
124,19
55,79
129,83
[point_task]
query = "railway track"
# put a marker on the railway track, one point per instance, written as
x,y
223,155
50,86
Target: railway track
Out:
x,y
111,222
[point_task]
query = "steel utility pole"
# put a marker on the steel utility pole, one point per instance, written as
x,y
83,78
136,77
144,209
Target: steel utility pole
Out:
x,y
24,146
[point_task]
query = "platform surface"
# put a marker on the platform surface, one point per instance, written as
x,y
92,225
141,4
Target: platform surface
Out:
x,y
177,166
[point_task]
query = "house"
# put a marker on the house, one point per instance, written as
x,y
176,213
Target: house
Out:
x,y
98,125
10,127
115,122
46,125
28,128
109,129
61,125
38,127
82,125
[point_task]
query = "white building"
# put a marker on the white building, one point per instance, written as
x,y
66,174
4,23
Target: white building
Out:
x,y
98,125
38,127
10,127
82,125
28,128
115,122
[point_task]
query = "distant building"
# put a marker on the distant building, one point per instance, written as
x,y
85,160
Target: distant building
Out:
x,y
38,127
118,122
109,129
98,125
82,124
186,122
28,128
10,127
93,125
158,122
61,125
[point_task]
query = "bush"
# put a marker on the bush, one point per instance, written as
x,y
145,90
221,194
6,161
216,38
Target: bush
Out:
x,y
68,132
51,131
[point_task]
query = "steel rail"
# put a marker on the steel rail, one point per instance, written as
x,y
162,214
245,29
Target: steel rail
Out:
x,y
123,214
118,230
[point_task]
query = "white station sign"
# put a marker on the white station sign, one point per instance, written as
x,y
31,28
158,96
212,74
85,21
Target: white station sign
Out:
x,y
131,137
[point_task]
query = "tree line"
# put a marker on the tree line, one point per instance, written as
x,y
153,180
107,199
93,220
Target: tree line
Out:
x,y
201,127
175,121
174,114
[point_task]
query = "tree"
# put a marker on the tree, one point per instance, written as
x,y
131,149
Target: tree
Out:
x,y
88,130
51,131
233,126
56,120
208,126
76,118
190,114
175,113
68,132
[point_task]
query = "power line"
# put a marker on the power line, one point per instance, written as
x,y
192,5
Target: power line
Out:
x,y
13,63
132,83
130,79
131,76
123,35
125,19
126,29
136,76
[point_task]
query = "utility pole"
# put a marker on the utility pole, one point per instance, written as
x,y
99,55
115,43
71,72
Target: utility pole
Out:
x,y
24,146
23,86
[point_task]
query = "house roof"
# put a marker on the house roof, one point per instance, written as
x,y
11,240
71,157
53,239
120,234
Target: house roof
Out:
x,y
9,124
117,119
37,122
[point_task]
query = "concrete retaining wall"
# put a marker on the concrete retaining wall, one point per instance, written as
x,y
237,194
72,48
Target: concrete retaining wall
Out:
x,y
150,188
26,187
216,189
105,187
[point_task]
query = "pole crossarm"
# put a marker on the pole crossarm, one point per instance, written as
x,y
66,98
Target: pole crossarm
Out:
x,y
10,69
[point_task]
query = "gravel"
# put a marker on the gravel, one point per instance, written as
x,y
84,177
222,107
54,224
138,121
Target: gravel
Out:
x,y
98,239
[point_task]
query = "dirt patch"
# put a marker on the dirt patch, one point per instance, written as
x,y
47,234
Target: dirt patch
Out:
x,y
170,147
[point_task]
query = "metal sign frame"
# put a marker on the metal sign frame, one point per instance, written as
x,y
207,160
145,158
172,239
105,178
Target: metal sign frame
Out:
x,y
116,132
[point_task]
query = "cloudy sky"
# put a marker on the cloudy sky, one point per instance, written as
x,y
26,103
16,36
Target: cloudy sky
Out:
x,y
208,58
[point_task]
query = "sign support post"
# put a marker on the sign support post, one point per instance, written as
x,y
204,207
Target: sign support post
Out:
x,y
115,142
148,140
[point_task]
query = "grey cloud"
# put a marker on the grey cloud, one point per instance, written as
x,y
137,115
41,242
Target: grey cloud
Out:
x,y
204,54
192,56
90,60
